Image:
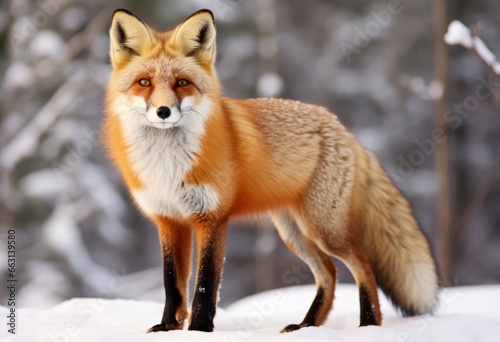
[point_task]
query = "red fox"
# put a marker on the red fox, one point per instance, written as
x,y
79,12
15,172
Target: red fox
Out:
x,y
193,159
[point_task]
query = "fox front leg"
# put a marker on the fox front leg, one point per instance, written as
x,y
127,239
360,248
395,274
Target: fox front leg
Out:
x,y
175,241
211,245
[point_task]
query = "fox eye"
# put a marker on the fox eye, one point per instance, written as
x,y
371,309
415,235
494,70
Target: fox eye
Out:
x,y
182,83
144,82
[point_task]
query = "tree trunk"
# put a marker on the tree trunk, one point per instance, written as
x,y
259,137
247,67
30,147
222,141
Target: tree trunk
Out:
x,y
443,222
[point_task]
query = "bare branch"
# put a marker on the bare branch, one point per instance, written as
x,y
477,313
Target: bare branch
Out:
x,y
25,142
75,45
84,39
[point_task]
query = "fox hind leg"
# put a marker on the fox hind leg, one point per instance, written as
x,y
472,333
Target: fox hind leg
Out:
x,y
357,262
324,211
323,269
338,243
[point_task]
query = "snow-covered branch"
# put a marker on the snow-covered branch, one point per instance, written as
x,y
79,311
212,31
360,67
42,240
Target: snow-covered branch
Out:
x,y
459,34
26,141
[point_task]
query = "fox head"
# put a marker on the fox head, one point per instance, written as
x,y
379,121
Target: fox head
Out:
x,y
162,79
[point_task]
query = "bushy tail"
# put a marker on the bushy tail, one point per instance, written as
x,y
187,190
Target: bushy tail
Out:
x,y
398,250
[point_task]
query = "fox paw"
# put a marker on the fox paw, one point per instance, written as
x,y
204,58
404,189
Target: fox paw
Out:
x,y
158,327
293,327
163,327
201,327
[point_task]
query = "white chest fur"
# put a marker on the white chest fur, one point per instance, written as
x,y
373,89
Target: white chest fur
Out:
x,y
161,158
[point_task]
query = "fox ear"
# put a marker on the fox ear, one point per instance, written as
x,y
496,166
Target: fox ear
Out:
x,y
196,36
129,36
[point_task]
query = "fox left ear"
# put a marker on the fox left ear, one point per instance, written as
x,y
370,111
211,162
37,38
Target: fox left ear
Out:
x,y
196,36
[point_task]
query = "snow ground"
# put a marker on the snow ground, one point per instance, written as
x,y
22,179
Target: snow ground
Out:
x,y
464,314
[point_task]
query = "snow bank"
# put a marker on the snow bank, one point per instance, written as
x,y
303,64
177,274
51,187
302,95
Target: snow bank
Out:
x,y
464,314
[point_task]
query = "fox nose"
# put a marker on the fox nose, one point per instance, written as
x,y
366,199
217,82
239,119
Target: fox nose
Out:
x,y
163,112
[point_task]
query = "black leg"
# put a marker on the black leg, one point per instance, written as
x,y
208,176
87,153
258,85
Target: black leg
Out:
x,y
211,248
312,314
176,241
367,313
173,299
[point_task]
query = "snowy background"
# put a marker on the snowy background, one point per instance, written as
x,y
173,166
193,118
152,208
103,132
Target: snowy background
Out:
x,y
372,64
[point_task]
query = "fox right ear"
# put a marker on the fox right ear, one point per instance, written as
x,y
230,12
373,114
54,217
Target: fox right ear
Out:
x,y
128,36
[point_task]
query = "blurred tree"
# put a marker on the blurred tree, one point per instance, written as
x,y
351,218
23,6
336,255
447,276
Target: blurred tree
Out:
x,y
442,158
79,234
